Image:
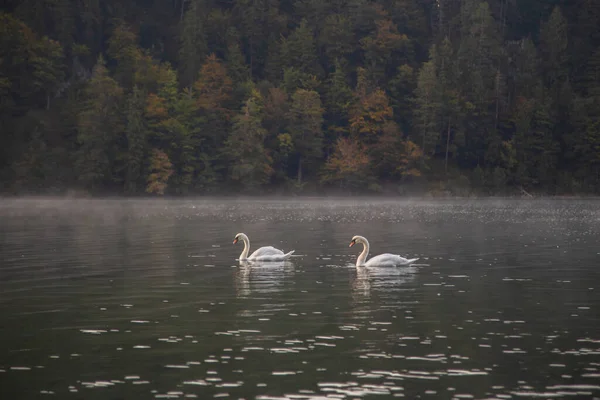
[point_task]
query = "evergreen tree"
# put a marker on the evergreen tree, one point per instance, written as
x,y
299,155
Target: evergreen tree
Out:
x,y
507,96
136,140
299,50
99,127
250,164
193,45
427,106
305,127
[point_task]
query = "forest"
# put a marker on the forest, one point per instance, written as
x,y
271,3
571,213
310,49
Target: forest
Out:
x,y
193,97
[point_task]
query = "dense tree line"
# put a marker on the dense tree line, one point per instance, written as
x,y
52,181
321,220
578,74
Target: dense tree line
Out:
x,y
206,96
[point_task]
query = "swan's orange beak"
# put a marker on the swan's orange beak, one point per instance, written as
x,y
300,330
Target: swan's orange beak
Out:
x,y
352,243
235,240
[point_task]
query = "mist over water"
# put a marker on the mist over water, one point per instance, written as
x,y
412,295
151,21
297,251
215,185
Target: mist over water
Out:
x,y
143,299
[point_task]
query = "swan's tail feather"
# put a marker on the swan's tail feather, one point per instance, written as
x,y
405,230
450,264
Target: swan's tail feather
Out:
x,y
288,255
410,261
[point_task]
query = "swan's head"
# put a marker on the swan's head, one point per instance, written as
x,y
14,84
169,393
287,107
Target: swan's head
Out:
x,y
238,237
357,239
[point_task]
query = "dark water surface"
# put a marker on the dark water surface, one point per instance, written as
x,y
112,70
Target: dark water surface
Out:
x,y
144,299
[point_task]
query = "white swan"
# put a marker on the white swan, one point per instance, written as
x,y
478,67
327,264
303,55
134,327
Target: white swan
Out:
x,y
267,253
382,260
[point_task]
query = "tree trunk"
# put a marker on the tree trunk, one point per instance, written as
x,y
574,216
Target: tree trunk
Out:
x,y
423,152
299,170
251,57
447,146
497,96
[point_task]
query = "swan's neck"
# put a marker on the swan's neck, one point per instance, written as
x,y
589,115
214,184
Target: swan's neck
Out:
x,y
363,256
244,254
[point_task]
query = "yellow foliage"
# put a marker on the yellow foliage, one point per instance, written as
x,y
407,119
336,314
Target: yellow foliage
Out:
x,y
370,112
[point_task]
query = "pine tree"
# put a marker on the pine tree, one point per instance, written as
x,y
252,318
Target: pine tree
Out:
x,y
338,98
193,45
305,127
100,124
427,106
236,64
136,140
384,49
336,39
300,52
553,44
250,164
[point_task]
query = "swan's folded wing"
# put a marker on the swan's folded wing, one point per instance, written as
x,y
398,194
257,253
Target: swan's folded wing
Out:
x,y
389,260
266,251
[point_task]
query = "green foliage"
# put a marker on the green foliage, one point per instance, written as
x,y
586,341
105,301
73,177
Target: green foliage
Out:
x,y
299,50
338,98
100,126
265,93
427,107
305,127
193,46
553,38
136,140
384,49
336,38
250,164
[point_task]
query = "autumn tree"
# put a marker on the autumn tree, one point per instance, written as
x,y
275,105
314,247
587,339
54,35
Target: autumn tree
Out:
x,y
385,48
370,112
348,166
161,170
507,97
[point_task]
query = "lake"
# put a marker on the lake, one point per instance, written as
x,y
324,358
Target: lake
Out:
x,y
139,299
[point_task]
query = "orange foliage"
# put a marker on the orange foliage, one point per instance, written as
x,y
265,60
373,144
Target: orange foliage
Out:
x,y
348,158
214,86
388,36
371,111
156,107
162,169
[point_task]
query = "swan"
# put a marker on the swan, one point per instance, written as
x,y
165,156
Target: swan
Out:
x,y
266,253
382,260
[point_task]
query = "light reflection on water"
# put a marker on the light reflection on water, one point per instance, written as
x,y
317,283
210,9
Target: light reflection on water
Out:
x,y
145,299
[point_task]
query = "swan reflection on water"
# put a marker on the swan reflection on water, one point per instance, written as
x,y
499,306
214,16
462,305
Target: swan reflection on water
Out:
x,y
383,279
262,276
